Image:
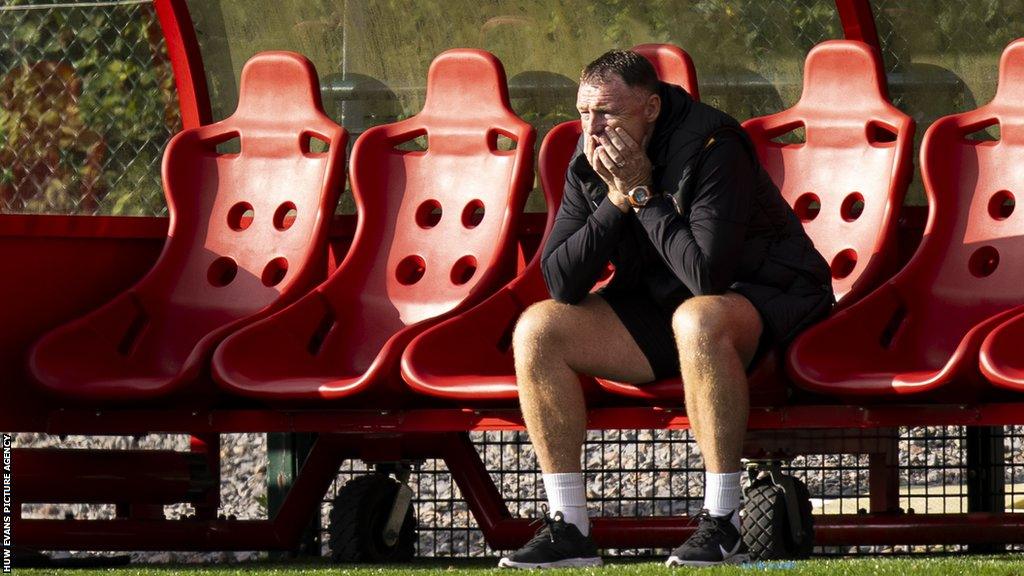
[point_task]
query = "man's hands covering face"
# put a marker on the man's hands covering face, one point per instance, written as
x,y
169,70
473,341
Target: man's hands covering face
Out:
x,y
620,162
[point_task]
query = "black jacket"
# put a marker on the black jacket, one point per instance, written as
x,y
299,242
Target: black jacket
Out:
x,y
736,231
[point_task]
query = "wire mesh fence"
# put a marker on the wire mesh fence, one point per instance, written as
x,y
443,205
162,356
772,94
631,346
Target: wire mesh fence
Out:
x,y
630,473
643,473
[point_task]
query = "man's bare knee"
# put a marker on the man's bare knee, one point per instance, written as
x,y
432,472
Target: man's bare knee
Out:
x,y
708,325
699,324
539,335
538,324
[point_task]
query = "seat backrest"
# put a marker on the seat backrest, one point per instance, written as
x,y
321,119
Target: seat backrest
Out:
x,y
971,259
672,64
847,178
247,224
437,226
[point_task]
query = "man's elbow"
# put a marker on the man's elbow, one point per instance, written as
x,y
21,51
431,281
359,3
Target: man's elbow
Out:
x,y
565,296
712,285
561,291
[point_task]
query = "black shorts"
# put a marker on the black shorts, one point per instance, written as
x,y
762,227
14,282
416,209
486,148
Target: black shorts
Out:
x,y
651,328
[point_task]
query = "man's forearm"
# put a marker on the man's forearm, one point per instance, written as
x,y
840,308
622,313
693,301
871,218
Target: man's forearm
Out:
x,y
702,272
576,255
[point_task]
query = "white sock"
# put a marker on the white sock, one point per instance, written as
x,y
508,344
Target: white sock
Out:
x,y
566,494
722,495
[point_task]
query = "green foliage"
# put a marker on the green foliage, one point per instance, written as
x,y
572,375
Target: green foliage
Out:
x,y
97,147
87,104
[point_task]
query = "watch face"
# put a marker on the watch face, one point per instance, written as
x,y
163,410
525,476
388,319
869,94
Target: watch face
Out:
x,y
640,195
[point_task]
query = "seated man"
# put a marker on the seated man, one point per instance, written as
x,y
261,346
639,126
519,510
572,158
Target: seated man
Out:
x,y
712,270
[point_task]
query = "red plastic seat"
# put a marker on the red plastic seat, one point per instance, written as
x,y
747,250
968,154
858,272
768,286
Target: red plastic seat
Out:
x,y
856,154
247,235
673,65
921,331
469,356
1000,357
436,234
848,180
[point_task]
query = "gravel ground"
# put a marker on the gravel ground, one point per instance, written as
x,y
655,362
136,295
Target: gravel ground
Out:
x,y
661,476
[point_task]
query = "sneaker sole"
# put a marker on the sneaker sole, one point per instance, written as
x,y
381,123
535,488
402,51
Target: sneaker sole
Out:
x,y
734,559
567,563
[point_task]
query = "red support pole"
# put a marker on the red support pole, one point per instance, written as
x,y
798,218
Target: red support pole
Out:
x,y
186,61
884,478
308,489
483,498
207,446
858,22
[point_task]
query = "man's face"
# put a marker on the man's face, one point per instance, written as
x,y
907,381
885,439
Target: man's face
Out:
x,y
612,103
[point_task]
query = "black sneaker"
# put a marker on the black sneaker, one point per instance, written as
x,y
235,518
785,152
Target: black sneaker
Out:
x,y
557,544
716,541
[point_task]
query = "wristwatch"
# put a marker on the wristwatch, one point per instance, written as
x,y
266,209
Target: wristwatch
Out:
x,y
639,196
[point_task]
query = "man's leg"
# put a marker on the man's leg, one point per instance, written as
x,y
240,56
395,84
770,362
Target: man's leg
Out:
x,y
552,343
717,336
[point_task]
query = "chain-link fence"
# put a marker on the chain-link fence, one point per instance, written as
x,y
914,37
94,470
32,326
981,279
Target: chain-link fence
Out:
x,y
87,104
942,57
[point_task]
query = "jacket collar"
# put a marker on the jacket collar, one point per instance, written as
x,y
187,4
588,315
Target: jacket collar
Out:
x,y
675,107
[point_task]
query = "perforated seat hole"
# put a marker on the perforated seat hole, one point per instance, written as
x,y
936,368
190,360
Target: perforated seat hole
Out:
x,y
419,142
1001,205
794,134
275,271
222,271
880,134
311,144
240,216
285,216
410,270
853,207
473,214
500,143
807,206
463,270
844,263
232,146
428,214
984,261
